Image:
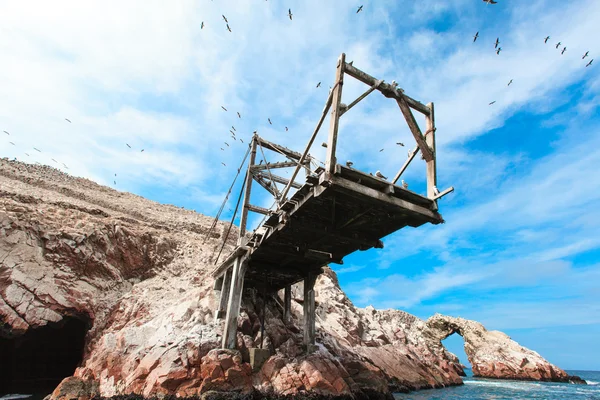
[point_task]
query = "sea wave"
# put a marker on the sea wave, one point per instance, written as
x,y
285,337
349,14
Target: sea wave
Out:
x,y
514,385
593,383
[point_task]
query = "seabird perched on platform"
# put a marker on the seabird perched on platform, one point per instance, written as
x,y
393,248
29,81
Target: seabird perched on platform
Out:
x,y
324,144
435,190
379,175
476,36
404,184
349,163
546,39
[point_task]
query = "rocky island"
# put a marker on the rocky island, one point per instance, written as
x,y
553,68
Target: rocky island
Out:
x,y
105,293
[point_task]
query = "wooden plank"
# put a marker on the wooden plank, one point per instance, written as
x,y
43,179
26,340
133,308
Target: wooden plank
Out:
x,y
280,149
431,164
304,155
274,165
248,190
233,305
260,210
278,179
309,310
386,89
362,96
406,164
415,130
238,252
330,160
408,207
445,192
287,304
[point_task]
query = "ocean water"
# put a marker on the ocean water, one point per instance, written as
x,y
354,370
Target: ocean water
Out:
x,y
488,389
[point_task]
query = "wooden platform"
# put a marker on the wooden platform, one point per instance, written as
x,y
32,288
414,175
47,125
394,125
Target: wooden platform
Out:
x,y
328,218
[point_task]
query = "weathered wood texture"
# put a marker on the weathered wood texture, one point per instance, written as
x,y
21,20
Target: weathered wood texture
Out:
x,y
309,309
330,160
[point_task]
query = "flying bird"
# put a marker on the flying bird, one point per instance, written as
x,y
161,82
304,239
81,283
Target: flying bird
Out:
x,y
492,102
381,150
563,50
404,184
318,85
241,140
12,143
324,144
290,13
228,28
490,1
68,120
226,144
233,127
558,44
270,121
141,151
27,154
222,149
224,164
223,108
475,37
239,116
225,19
499,50
546,39
65,165
590,63
584,56
115,182
379,175
128,145
349,163
230,131
37,149
286,128
54,160
497,43
7,133
202,25
509,82
400,144
359,9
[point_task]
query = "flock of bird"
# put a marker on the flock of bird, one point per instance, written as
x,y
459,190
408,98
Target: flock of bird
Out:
x,y
498,49
236,138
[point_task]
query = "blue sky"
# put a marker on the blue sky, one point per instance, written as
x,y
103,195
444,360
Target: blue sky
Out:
x,y
519,249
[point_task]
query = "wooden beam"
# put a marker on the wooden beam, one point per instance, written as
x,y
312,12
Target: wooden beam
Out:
x,y
445,192
260,210
309,310
431,164
415,130
304,156
248,190
279,179
239,251
224,297
233,305
265,184
406,164
330,161
407,207
287,303
279,149
386,89
362,96
274,165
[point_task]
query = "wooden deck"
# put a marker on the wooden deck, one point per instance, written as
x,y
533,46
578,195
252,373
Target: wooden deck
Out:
x,y
324,221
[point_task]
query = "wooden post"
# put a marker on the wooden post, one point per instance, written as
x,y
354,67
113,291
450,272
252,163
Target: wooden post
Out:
x,y
233,305
248,190
309,310
330,161
287,303
224,298
430,140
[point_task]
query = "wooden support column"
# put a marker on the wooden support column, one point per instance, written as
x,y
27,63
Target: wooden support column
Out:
x,y
287,303
430,140
331,161
224,298
309,310
248,190
233,305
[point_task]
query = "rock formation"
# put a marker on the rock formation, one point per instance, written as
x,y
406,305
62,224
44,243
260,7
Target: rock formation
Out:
x,y
138,274
493,354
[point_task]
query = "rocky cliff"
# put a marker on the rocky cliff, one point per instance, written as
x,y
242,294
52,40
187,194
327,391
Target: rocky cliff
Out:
x,y
136,275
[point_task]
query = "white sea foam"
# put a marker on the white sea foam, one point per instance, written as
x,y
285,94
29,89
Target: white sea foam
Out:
x,y
593,383
15,396
513,385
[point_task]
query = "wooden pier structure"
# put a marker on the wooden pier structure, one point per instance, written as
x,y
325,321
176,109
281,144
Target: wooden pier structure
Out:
x,y
335,212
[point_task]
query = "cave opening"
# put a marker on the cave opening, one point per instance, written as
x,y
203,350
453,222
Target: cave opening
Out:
x,y
456,345
36,362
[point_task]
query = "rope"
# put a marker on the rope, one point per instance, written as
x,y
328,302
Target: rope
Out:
x,y
232,219
216,220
